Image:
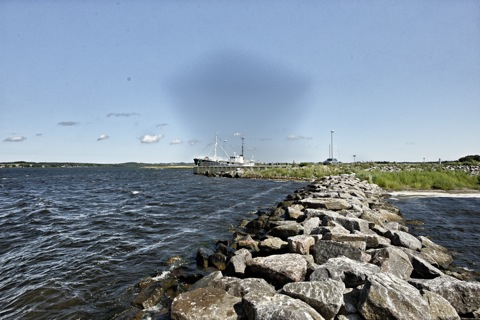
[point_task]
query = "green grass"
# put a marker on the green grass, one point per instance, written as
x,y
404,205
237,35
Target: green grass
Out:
x,y
408,176
422,180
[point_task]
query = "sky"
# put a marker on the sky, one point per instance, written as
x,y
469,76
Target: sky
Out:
x,y
156,81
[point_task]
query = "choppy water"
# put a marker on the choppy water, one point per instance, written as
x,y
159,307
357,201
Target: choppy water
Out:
x,y
452,221
74,242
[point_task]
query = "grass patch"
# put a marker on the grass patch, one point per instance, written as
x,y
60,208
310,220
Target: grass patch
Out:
x,y
402,176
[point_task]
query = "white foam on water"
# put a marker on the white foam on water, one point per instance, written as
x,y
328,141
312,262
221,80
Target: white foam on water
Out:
x,y
434,194
161,276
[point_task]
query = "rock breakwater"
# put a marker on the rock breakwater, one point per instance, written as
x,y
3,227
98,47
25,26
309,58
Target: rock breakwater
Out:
x,y
332,250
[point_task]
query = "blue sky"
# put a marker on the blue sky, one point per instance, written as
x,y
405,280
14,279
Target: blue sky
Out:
x,y
154,81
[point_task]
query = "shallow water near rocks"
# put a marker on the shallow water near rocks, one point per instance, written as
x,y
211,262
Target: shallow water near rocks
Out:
x,y
451,220
75,241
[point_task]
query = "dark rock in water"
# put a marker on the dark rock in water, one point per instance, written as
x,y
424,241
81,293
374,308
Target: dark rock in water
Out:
x,y
202,257
386,296
324,296
206,303
278,269
130,314
217,260
206,281
463,296
189,274
274,306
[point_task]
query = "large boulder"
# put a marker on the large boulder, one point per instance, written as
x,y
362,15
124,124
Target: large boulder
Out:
x,y
463,296
273,245
300,244
274,306
327,249
404,239
393,260
386,296
440,308
350,272
335,204
310,224
237,263
324,296
286,230
278,269
206,303
440,255
239,287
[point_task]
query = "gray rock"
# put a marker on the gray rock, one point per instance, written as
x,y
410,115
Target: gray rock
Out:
x,y
206,281
403,239
463,296
423,269
324,296
370,241
380,216
278,269
247,242
435,252
295,211
326,203
273,245
352,224
393,260
300,244
206,303
320,213
285,231
239,287
440,308
350,272
386,296
326,249
237,263
332,227
310,224
274,306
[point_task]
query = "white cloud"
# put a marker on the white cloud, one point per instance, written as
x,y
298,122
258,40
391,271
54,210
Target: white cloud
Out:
x,y
237,134
15,139
193,142
162,125
151,138
297,137
103,137
68,123
122,114
176,141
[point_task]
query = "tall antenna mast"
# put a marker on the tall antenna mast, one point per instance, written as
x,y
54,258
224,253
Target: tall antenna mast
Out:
x,y
242,146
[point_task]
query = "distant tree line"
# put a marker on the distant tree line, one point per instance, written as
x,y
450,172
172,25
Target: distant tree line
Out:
x,y
470,159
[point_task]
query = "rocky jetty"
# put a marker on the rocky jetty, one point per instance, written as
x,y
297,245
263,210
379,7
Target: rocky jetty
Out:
x,y
332,250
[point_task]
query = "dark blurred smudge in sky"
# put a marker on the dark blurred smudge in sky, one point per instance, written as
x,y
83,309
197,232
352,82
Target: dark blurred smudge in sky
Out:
x,y
231,91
